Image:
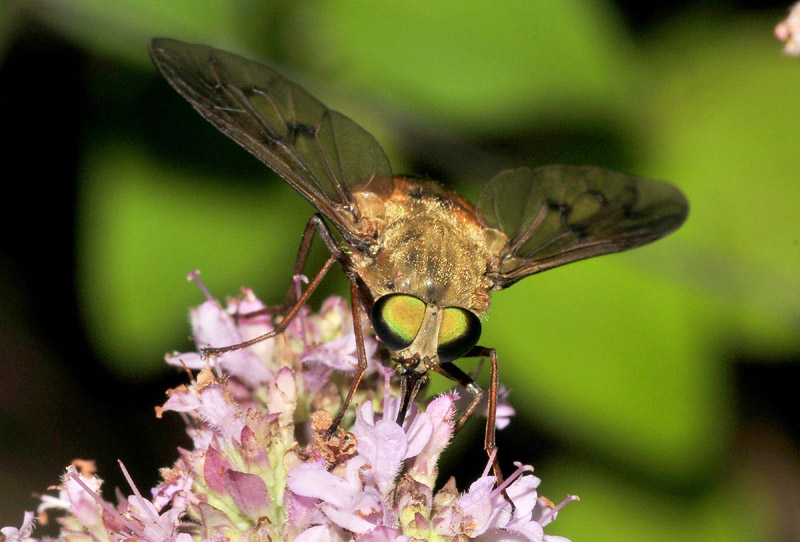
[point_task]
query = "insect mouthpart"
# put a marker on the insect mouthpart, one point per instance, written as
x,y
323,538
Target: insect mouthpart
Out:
x,y
415,362
411,381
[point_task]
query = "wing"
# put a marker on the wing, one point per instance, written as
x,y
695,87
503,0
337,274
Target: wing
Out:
x,y
555,215
323,154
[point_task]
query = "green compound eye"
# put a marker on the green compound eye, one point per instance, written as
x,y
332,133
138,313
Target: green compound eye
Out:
x,y
397,319
460,331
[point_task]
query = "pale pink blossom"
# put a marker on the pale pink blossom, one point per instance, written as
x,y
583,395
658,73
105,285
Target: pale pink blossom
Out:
x,y
788,31
21,534
261,469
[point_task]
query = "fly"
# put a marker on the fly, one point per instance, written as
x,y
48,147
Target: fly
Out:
x,y
421,260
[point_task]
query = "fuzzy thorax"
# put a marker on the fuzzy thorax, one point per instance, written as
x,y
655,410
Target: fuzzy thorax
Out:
x,y
431,247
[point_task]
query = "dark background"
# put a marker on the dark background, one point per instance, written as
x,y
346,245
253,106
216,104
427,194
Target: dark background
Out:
x,y
658,385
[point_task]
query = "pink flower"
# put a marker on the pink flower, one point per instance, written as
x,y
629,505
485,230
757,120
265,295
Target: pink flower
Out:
x,y
440,412
788,31
210,402
491,514
264,466
318,533
12,534
91,518
345,502
213,326
383,534
361,499
385,445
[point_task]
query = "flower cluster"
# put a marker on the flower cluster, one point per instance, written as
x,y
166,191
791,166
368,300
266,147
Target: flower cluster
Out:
x,y
264,466
788,31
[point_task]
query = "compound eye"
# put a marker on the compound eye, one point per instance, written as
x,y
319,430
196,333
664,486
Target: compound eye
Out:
x,y
397,319
460,331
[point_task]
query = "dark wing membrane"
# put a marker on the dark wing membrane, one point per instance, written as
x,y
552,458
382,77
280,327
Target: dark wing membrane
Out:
x,y
555,215
323,154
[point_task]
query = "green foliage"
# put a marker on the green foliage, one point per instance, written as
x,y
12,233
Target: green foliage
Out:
x,y
724,121
146,225
612,508
470,64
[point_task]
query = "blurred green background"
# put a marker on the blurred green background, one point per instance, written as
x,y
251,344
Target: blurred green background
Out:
x,y
660,385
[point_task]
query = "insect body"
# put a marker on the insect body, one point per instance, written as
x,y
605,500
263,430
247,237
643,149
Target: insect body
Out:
x,y
421,260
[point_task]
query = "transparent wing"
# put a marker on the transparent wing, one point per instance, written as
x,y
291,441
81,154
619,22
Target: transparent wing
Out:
x,y
555,215
323,154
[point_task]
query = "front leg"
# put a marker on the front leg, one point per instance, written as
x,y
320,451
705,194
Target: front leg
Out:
x,y
282,326
358,331
454,373
315,224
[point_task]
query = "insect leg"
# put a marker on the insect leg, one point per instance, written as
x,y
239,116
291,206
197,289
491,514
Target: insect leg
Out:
x,y
314,225
281,327
454,373
489,443
358,330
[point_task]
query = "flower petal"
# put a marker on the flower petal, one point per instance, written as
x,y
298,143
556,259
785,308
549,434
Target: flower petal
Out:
x,y
215,524
83,505
283,396
383,534
318,533
253,454
12,534
299,509
347,520
213,326
418,434
249,492
312,480
384,446
440,412
214,467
